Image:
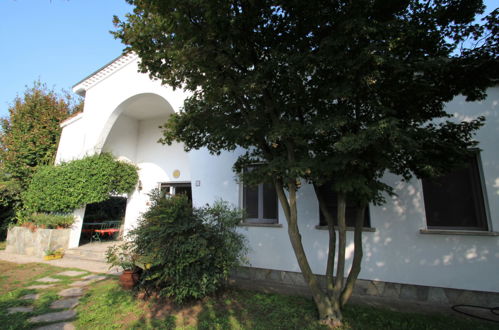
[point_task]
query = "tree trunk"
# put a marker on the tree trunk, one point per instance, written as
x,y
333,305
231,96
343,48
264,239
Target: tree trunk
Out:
x,y
357,256
340,269
332,240
329,312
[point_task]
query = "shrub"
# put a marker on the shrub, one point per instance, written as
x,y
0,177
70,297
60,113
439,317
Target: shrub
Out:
x,y
189,251
122,255
52,221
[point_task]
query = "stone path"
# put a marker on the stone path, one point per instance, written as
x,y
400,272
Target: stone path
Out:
x,y
48,280
69,299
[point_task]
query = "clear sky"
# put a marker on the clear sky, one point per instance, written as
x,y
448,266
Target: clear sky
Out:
x,y
58,42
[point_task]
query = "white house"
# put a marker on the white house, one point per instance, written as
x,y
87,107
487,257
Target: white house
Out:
x,y
435,243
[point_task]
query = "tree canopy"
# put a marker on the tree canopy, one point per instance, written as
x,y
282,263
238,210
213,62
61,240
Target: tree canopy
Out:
x,y
332,93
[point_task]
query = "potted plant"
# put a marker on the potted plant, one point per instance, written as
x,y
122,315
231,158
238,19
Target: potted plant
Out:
x,y
51,254
123,256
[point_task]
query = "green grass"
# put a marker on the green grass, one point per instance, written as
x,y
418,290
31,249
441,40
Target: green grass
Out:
x,y
3,244
106,306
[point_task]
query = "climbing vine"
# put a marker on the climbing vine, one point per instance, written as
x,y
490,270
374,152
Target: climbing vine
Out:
x,y
64,187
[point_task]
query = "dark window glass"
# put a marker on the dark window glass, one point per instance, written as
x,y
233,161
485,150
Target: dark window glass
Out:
x,y
250,201
331,199
456,199
184,190
269,202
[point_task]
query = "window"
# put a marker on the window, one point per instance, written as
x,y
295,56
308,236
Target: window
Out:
x,y
176,188
456,200
260,203
332,202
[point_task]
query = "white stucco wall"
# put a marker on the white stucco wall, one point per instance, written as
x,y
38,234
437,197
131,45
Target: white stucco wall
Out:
x,y
122,114
156,163
122,139
72,140
396,251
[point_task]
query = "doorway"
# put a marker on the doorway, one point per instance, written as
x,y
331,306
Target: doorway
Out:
x,y
103,221
176,188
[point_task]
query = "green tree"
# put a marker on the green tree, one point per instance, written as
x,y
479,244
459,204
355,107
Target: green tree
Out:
x,y
30,135
333,93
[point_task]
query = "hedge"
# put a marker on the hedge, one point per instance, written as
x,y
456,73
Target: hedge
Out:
x,y
71,185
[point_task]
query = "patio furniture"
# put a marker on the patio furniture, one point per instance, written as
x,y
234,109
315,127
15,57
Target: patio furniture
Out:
x,y
108,228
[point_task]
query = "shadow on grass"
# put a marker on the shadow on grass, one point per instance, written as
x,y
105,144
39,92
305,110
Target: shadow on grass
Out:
x,y
106,306
17,320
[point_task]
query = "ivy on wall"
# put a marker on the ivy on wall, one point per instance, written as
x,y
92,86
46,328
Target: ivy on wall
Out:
x,y
65,187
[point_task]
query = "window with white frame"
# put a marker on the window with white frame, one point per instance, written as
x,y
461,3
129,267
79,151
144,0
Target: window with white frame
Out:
x,y
260,203
176,188
456,200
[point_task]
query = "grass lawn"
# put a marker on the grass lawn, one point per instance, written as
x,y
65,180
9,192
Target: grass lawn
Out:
x,y
106,306
2,245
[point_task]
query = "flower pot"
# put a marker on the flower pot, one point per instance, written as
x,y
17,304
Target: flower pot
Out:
x,y
129,279
53,257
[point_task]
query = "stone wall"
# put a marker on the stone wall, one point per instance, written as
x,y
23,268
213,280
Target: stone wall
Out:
x,y
22,240
269,280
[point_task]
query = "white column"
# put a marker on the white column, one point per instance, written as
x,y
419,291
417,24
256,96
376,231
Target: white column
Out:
x,y
74,236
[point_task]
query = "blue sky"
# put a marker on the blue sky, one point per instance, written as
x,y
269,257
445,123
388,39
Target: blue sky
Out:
x,y
58,42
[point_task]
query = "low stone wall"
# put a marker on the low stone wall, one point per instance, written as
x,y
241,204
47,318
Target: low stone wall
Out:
x,y
22,240
269,280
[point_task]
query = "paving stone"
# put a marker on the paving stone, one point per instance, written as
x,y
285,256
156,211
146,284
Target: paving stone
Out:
x,y
21,309
71,292
48,280
453,295
360,287
65,303
33,296
58,326
375,288
40,286
81,283
392,290
414,292
437,295
72,273
94,278
53,317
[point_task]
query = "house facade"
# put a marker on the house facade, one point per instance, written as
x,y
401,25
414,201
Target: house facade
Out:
x,y
434,241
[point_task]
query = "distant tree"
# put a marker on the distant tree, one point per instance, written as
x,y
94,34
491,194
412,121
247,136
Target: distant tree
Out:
x,y
333,93
30,135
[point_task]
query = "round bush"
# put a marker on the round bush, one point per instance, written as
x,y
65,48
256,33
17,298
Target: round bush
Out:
x,y
189,251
